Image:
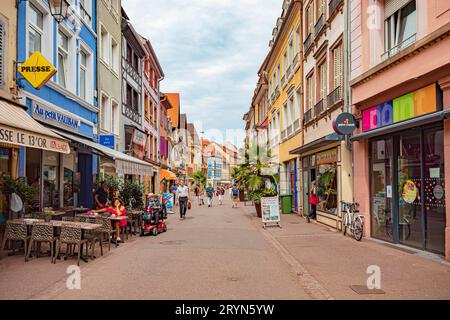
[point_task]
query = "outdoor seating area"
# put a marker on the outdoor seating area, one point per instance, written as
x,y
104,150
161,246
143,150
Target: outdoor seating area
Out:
x,y
79,236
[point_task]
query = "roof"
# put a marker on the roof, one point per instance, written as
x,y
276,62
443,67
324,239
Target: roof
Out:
x,y
174,113
153,55
165,102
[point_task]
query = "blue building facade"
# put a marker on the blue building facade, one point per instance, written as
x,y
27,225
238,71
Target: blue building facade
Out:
x,y
67,103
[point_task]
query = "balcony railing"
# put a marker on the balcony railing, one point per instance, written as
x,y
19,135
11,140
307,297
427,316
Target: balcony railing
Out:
x,y
289,73
333,5
296,61
131,114
334,97
319,108
283,80
289,130
307,43
296,125
308,116
131,71
403,45
320,24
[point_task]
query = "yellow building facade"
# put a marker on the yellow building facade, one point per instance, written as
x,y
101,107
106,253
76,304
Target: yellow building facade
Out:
x,y
283,68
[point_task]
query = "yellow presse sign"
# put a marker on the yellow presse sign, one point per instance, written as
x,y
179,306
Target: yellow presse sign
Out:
x,y
37,70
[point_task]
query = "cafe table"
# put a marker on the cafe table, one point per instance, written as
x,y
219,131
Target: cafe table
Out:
x,y
85,226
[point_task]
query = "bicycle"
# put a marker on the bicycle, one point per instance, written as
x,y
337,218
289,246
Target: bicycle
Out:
x,y
352,220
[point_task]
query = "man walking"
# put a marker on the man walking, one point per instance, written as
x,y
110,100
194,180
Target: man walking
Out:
x,y
210,194
183,198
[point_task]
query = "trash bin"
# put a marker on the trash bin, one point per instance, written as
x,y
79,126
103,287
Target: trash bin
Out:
x,y
286,203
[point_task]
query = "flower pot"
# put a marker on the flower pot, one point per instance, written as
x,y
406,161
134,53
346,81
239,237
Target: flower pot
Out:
x,y
48,218
258,209
241,196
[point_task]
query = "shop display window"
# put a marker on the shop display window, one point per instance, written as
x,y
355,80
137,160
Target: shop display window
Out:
x,y
327,188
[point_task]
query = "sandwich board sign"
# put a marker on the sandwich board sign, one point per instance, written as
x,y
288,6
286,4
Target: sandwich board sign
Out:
x,y
37,70
270,210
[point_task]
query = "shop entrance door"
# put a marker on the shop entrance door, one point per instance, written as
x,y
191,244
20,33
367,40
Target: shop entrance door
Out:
x,y
408,189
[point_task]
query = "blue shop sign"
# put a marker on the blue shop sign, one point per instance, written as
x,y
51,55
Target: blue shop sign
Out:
x,y
55,118
107,140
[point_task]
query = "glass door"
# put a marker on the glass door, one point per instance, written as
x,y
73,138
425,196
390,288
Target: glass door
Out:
x,y
409,190
382,189
434,190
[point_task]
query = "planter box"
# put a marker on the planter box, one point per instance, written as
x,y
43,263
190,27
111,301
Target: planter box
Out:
x,y
258,210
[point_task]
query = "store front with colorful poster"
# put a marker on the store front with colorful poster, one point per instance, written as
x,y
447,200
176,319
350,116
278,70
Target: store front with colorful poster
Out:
x,y
405,140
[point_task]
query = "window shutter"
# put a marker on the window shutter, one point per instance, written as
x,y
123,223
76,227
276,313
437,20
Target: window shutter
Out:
x,y
2,53
337,67
392,6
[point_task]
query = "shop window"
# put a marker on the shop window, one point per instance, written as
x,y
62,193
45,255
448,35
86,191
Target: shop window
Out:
x,y
69,168
51,180
326,177
33,173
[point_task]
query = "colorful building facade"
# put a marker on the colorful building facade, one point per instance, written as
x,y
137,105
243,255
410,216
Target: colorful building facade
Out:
x,y
401,97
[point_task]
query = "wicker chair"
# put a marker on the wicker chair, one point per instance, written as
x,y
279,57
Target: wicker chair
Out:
x,y
95,236
71,235
42,233
106,230
16,231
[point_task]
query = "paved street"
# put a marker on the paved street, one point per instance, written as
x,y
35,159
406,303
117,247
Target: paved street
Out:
x,y
220,253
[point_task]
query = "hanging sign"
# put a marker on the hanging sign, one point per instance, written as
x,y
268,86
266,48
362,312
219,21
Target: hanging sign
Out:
x,y
37,70
344,124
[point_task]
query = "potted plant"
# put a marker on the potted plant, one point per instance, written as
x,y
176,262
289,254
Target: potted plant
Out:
x,y
48,214
9,186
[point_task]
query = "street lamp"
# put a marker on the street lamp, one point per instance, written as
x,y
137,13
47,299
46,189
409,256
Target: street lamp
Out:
x,y
59,9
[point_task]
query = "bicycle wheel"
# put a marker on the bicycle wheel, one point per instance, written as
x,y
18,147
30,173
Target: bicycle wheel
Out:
x,y
358,229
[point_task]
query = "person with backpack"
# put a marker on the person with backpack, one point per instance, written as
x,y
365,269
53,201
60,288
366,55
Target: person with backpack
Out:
x,y
235,195
210,194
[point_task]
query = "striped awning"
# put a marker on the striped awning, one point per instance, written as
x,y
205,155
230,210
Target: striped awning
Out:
x,y
125,164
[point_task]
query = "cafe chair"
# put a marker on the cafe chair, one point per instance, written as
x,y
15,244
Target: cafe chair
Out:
x,y
106,230
15,231
42,232
71,236
95,236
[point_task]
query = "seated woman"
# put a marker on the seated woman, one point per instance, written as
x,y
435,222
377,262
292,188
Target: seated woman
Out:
x,y
117,209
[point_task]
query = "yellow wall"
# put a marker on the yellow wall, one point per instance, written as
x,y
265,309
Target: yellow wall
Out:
x,y
8,15
283,44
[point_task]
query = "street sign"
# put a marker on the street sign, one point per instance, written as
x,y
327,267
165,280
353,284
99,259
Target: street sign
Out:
x,y
37,70
107,140
270,209
344,124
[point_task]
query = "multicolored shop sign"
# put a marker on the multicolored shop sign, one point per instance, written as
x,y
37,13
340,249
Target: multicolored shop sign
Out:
x,y
411,105
327,157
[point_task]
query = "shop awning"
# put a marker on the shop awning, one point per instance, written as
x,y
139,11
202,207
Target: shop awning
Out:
x,y
167,175
17,127
125,164
334,137
395,127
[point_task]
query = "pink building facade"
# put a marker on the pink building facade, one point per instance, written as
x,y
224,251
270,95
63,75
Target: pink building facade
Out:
x,y
400,91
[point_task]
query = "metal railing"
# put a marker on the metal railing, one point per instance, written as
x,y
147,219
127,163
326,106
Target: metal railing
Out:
x,y
334,97
131,113
307,43
296,61
308,116
131,70
289,72
333,5
319,108
283,80
296,125
319,25
403,45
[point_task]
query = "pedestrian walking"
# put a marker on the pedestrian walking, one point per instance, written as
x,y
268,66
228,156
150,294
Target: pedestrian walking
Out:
x,y
235,195
183,198
221,193
313,201
210,195
202,196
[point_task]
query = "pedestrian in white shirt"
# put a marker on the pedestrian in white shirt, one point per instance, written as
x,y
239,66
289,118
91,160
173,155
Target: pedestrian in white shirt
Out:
x,y
183,198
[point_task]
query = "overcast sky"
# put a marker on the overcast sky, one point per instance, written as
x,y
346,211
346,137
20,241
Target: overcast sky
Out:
x,y
210,51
